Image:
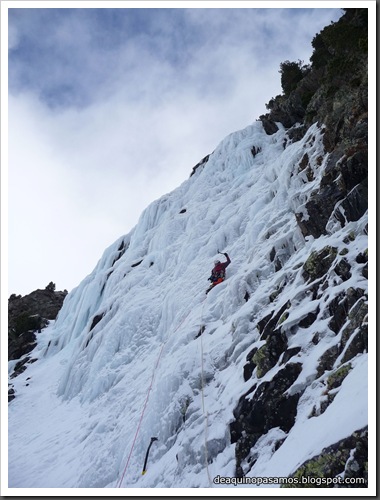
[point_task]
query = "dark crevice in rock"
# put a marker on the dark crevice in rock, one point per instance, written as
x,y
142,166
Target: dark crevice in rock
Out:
x,y
268,324
96,320
289,353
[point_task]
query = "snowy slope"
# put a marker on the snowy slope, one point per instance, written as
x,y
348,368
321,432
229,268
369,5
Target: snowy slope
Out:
x,y
122,362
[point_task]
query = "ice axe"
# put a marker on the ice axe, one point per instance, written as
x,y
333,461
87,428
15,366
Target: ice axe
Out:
x,y
147,454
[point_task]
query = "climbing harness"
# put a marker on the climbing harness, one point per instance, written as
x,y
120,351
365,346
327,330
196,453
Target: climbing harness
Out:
x,y
152,440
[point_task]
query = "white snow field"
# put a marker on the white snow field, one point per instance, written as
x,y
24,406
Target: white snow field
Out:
x,y
122,363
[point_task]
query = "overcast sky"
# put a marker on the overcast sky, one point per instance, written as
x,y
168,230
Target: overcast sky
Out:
x,y
110,108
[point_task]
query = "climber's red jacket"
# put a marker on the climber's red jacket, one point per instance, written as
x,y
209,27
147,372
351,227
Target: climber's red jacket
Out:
x,y
219,270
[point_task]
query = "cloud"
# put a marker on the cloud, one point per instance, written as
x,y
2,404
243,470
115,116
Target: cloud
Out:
x,y
110,109
72,56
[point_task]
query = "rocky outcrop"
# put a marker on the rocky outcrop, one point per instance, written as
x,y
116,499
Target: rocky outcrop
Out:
x,y
334,88
268,407
27,316
342,196
200,164
342,465
333,93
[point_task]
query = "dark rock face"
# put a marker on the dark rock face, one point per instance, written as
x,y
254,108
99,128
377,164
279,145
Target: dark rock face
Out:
x,y
11,393
348,458
200,164
269,125
345,181
21,366
289,353
269,407
318,263
296,133
267,325
340,305
251,365
327,360
267,356
333,93
28,315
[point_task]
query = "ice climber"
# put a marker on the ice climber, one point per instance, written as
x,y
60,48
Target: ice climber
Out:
x,y
218,274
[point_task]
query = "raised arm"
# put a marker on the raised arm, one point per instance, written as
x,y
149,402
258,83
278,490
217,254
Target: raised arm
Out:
x,y
228,260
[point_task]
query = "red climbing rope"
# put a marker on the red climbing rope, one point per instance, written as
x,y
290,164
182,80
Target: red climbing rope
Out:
x,y
147,397
141,417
